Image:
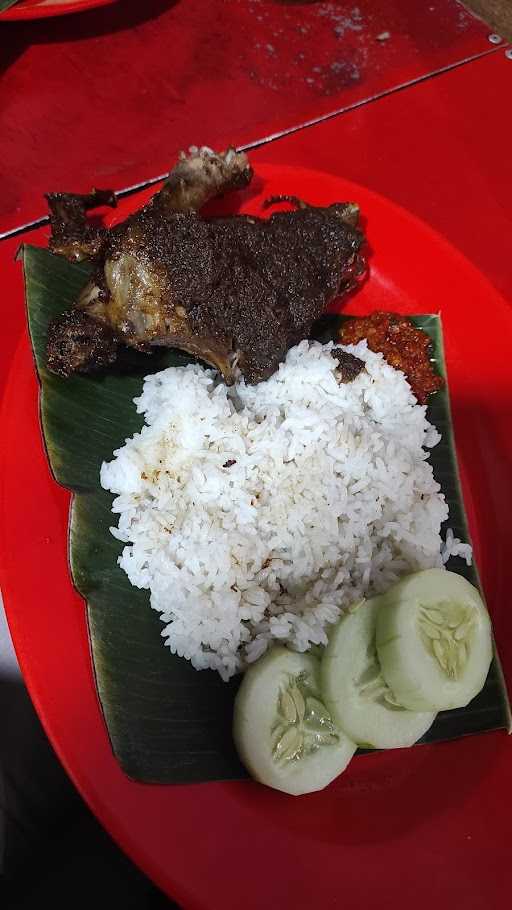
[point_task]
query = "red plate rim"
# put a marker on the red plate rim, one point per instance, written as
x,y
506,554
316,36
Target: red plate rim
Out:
x,y
237,801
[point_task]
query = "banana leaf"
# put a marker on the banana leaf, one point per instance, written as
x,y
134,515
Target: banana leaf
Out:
x,y
168,723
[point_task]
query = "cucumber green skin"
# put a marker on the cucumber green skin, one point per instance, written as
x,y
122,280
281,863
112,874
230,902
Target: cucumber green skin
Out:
x,y
414,676
254,717
370,724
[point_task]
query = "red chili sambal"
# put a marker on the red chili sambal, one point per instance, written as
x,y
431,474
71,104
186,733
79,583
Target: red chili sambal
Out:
x,y
403,345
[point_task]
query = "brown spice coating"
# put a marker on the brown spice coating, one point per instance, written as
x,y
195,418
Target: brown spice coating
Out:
x,y
236,291
72,235
349,366
79,344
403,345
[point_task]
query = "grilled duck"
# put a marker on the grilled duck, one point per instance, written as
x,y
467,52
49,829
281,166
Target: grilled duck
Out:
x,y
235,291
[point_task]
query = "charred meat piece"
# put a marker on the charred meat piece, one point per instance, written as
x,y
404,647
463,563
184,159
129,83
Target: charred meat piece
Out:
x,y
348,367
77,343
404,346
72,235
199,176
235,291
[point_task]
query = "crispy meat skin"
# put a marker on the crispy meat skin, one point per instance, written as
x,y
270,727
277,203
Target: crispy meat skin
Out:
x,y
75,341
235,291
72,236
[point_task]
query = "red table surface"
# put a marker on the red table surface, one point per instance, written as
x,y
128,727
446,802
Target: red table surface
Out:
x,y
451,168
110,96
440,149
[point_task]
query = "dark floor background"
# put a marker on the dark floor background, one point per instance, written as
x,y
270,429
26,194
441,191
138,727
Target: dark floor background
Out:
x,y
53,852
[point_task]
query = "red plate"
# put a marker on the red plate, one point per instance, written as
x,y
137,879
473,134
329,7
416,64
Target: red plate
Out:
x,y
42,9
421,826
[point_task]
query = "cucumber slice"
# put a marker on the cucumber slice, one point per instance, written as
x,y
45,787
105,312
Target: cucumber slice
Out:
x,y
355,692
434,640
283,733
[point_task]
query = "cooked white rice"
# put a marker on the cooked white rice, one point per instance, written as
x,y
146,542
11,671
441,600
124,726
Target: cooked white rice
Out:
x,y
260,514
